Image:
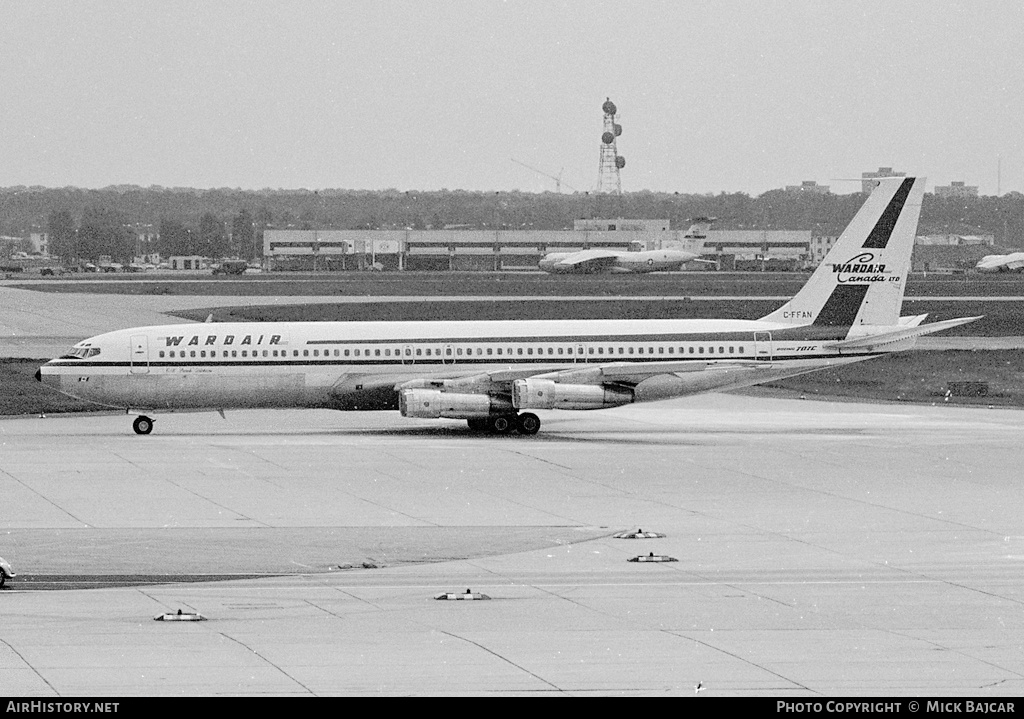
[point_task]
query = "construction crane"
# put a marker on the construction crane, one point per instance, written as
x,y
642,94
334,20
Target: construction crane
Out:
x,y
558,179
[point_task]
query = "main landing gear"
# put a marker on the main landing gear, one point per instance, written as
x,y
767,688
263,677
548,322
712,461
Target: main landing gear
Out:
x,y
142,425
526,423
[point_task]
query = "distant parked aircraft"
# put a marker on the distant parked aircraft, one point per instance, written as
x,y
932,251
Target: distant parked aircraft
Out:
x,y
667,258
1013,262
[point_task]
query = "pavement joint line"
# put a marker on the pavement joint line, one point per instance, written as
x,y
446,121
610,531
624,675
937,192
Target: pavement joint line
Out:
x,y
954,650
211,501
522,453
85,525
712,647
885,507
414,518
323,609
30,666
264,659
504,659
855,500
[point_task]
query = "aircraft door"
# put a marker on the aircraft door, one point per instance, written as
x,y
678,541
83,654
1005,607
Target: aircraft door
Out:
x,y
449,355
580,356
763,346
139,355
407,354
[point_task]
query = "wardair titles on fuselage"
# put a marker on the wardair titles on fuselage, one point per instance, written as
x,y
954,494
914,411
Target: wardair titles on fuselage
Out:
x,y
228,340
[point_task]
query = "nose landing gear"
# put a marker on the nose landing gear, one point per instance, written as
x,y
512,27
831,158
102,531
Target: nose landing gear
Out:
x,y
142,425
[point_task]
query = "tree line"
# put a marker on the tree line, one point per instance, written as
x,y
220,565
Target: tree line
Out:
x,y
224,222
102,232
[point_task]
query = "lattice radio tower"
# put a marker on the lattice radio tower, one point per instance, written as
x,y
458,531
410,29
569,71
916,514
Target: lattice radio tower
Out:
x,y
611,161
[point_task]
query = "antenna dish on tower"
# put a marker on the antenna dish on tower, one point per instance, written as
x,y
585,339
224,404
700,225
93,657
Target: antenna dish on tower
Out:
x,y
608,179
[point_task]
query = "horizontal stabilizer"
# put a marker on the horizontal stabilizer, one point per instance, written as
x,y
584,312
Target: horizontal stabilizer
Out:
x,y
904,333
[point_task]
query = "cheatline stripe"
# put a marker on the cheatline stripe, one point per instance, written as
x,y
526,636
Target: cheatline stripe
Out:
x,y
879,236
505,366
779,334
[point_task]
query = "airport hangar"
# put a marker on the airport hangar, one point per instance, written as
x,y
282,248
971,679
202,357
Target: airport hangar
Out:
x,y
495,250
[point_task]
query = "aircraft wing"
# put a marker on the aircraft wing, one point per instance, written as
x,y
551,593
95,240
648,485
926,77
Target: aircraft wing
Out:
x,y
621,373
591,258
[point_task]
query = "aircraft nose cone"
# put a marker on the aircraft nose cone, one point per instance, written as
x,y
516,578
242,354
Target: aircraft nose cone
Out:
x,y
39,375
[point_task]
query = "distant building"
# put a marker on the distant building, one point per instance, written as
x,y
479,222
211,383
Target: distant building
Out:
x,y
187,262
40,242
493,250
820,247
955,240
755,249
619,225
940,258
866,185
146,238
809,186
956,189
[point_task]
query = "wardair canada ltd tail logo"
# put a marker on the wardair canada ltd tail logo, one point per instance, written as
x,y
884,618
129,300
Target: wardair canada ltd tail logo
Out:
x,y
861,269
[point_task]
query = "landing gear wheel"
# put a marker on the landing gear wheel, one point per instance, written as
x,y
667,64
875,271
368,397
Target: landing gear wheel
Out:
x,y
500,424
478,424
528,423
142,425
3,578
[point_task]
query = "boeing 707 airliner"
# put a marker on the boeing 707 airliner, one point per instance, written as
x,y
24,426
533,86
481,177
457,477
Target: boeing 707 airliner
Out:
x,y
491,373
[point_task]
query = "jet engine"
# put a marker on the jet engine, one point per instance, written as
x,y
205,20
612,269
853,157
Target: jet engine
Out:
x,y
546,394
432,403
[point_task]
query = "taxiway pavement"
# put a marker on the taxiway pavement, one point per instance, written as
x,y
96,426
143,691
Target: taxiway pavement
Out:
x,y
824,549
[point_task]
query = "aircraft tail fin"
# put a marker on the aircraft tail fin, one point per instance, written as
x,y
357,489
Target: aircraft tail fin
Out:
x,y
699,227
862,279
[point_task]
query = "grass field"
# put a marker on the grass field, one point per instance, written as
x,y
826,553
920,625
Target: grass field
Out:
x,y
919,377
1000,319
909,377
21,394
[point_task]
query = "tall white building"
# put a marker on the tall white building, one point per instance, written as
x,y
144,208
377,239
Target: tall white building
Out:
x,y
866,185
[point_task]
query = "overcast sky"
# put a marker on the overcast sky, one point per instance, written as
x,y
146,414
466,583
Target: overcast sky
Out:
x,y
429,94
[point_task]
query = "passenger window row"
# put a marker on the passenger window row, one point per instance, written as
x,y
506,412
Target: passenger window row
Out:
x,y
599,351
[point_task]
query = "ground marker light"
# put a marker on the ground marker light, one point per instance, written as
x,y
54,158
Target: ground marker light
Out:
x,y
180,616
652,557
466,596
638,534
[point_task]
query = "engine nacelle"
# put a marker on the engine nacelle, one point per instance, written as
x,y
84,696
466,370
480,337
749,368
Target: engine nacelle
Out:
x,y
546,394
432,404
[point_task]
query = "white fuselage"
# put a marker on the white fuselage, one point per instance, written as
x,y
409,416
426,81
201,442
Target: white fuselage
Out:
x,y
646,261
359,365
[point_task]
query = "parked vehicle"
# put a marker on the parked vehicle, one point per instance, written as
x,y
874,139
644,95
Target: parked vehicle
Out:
x,y
231,267
6,572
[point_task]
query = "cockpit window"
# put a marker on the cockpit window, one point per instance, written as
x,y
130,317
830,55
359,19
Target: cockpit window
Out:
x,y
81,353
